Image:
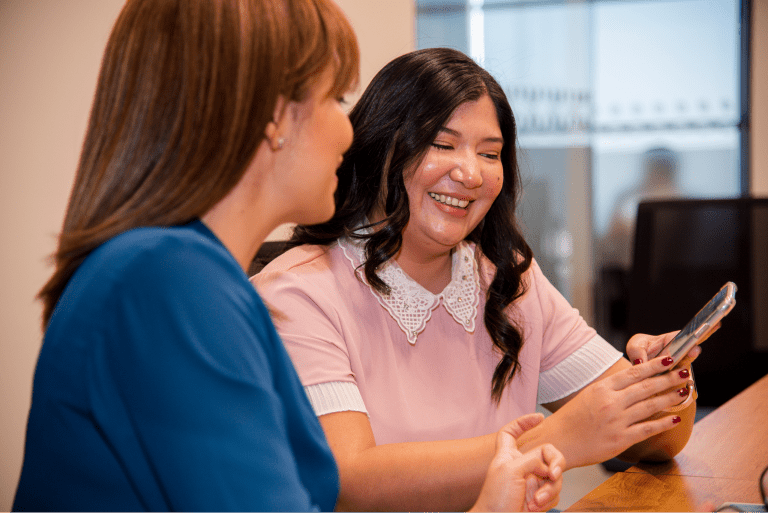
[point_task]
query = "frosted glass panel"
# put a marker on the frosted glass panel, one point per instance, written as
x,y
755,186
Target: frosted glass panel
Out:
x,y
616,101
660,64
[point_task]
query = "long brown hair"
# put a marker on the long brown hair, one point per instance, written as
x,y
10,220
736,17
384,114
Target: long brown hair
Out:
x,y
185,92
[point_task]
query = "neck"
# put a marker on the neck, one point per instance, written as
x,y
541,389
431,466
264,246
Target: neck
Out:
x,y
244,217
241,237
433,272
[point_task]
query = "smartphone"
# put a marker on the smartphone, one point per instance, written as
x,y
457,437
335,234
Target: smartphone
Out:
x,y
702,323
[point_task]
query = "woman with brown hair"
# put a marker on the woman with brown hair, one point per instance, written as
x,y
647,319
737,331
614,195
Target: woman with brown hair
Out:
x,y
161,383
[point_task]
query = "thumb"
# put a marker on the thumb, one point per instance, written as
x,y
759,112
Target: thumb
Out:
x,y
508,435
660,342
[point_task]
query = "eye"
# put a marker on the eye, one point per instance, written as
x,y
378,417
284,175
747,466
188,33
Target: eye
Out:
x,y
491,156
442,146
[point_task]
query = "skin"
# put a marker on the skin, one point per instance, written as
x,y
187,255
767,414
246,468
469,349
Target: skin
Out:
x,y
619,413
294,181
462,163
530,481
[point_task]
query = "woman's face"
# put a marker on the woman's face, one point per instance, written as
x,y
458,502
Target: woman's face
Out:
x,y
320,135
459,178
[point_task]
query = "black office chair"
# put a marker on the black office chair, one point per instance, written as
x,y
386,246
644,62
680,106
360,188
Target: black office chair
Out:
x,y
685,250
267,252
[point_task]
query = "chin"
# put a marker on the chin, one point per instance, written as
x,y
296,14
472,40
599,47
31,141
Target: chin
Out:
x,y
446,241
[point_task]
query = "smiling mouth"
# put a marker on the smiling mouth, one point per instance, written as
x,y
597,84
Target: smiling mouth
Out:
x,y
450,201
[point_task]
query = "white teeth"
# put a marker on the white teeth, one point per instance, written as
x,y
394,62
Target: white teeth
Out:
x,y
447,200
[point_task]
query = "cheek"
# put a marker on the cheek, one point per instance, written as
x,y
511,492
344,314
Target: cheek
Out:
x,y
420,179
426,171
495,183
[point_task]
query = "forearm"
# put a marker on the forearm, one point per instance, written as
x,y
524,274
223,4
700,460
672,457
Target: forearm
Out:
x,y
551,431
444,475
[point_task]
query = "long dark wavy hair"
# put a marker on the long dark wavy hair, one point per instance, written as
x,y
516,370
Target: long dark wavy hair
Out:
x,y
396,120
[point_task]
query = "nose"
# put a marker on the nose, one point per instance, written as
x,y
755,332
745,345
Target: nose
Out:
x,y
467,171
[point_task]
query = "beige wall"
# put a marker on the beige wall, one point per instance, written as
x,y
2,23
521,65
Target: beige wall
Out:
x,y
49,58
50,51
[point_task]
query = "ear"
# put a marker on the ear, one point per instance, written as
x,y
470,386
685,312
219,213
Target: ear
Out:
x,y
275,129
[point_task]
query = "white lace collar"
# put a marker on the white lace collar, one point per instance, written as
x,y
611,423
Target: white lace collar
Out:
x,y
410,304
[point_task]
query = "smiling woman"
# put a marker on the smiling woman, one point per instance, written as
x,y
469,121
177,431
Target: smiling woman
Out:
x,y
452,188
419,322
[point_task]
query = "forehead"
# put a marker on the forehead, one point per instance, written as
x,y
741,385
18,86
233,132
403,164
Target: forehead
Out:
x,y
478,115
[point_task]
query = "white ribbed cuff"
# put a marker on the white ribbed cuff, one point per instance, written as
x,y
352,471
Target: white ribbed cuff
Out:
x,y
577,370
335,396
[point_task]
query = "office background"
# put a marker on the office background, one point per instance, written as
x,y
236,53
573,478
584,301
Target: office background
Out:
x,y
50,51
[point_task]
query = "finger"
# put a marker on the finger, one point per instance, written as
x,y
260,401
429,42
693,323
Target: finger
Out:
x,y
642,348
546,497
647,428
637,350
638,373
555,461
651,406
669,381
532,462
545,479
531,488
522,424
661,342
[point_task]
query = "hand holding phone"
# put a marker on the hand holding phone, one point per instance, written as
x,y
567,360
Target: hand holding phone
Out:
x,y
702,324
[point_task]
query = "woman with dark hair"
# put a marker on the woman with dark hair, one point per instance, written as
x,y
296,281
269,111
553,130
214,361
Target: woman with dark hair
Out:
x,y
410,393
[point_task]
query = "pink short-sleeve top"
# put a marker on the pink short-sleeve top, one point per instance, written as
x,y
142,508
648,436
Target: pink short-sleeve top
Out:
x,y
420,364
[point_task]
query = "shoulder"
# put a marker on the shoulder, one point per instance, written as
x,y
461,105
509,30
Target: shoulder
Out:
x,y
313,266
299,259
160,285
162,247
154,265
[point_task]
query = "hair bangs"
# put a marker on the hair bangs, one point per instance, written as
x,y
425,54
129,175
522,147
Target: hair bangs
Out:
x,y
325,40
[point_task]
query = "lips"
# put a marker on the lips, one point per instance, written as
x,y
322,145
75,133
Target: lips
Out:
x,y
449,200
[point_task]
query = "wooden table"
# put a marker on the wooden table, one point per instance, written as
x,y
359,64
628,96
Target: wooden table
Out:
x,y
722,462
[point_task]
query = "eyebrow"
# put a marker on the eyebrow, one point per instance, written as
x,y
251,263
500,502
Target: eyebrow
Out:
x,y
457,134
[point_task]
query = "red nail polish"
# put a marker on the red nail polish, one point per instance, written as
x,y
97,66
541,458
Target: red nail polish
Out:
x,y
676,419
637,362
683,392
684,373
667,361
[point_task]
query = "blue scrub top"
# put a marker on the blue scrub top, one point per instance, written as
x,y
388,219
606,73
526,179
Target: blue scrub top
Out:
x,y
162,385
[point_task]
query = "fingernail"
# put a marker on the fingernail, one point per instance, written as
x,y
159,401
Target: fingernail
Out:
x,y
676,419
637,362
683,392
541,497
684,373
667,361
